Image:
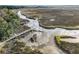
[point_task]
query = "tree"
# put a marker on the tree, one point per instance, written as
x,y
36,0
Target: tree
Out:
x,y
3,28
9,22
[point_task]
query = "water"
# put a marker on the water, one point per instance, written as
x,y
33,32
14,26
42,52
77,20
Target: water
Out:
x,y
47,35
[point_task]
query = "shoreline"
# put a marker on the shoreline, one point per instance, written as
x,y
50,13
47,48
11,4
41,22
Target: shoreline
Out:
x,y
53,27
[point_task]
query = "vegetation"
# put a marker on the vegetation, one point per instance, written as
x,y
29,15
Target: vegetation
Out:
x,y
9,22
19,47
11,7
71,48
58,39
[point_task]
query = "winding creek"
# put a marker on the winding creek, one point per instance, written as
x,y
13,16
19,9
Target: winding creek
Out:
x,y
46,36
